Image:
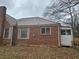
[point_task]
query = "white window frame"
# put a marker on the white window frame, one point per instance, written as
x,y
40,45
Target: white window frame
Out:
x,y
66,32
19,33
45,31
8,34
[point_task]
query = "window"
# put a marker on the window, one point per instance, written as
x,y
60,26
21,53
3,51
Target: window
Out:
x,y
62,32
6,33
46,31
43,30
66,32
23,33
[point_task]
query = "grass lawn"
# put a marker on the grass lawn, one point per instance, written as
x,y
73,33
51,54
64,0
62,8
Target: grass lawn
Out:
x,y
38,53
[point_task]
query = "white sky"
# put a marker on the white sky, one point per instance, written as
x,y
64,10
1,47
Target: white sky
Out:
x,y
25,8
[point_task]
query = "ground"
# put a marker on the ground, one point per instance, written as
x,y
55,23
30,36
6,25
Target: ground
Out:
x,y
43,52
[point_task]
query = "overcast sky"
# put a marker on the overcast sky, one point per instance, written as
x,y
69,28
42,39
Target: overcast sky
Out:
x,y
25,8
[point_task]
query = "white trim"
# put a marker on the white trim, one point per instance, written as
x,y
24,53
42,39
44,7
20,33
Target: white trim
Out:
x,y
19,33
45,29
11,34
67,29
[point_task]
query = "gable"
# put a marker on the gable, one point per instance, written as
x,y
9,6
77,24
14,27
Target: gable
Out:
x,y
10,20
34,21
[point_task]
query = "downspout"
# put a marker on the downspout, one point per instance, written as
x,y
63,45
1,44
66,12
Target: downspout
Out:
x,y
11,29
14,35
59,36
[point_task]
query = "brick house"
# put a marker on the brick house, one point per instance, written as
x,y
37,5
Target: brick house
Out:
x,y
7,24
36,30
32,31
10,24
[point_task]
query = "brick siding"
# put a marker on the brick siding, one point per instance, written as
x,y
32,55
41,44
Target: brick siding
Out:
x,y
41,39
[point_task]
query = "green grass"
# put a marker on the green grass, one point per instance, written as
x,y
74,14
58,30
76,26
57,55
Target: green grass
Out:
x,y
38,53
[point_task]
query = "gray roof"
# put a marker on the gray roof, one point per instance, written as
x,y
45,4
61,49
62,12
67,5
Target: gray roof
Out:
x,y
34,21
11,20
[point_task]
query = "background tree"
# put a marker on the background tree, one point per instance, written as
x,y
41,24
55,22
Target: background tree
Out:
x,y
61,9
64,11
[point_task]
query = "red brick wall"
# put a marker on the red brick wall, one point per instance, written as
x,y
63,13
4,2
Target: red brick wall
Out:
x,y
2,22
42,39
6,41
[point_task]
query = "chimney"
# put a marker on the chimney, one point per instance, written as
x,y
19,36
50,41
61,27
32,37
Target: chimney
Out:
x,y
2,22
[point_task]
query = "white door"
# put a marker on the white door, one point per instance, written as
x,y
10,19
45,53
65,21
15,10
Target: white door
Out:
x,y
66,37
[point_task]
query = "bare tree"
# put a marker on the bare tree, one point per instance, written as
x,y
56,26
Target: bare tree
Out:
x,y
62,8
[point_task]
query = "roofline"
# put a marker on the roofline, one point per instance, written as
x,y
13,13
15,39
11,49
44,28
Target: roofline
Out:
x,y
12,17
40,25
66,26
35,17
